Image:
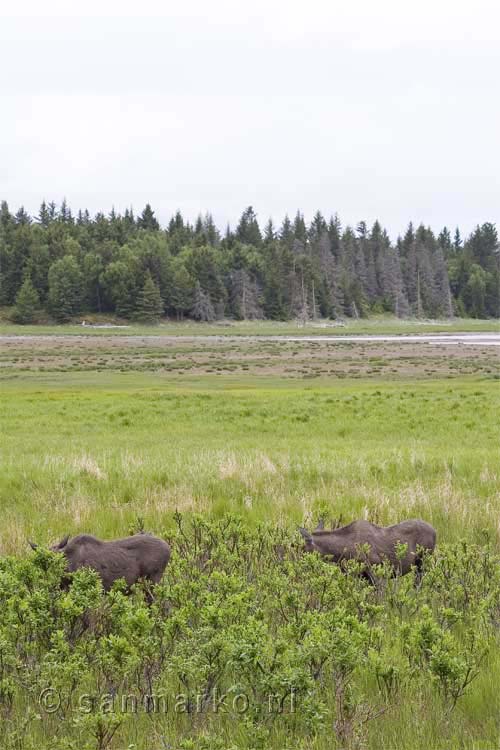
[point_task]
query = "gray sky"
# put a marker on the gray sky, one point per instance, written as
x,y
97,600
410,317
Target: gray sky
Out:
x,y
384,109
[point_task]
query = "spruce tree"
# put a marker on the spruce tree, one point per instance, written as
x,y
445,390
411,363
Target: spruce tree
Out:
x,y
299,228
22,217
248,230
286,231
65,288
334,234
332,305
181,298
27,303
318,227
43,216
149,306
211,231
444,241
147,219
269,231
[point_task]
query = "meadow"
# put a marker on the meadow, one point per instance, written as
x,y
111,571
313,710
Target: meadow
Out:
x,y
375,324
202,440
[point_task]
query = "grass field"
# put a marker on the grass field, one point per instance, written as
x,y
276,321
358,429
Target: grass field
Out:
x,y
96,452
98,433
377,324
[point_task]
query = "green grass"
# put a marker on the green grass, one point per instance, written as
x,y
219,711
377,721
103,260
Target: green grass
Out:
x,y
86,452
381,324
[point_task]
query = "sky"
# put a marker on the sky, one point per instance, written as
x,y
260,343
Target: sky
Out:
x,y
382,110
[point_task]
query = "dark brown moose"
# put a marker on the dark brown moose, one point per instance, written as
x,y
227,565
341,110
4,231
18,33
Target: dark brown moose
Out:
x,y
141,556
374,545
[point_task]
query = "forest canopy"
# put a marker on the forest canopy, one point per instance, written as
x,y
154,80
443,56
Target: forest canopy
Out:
x,y
63,265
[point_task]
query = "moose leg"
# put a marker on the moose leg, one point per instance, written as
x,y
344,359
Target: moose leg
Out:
x,y
148,591
149,586
368,576
418,572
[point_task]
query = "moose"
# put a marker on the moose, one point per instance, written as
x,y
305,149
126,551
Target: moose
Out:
x,y
373,545
142,556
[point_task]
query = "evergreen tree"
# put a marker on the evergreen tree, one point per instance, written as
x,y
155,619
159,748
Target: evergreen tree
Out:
x,y
483,247
362,229
52,211
248,230
318,227
203,264
119,287
176,224
269,231
128,220
23,218
181,298
43,215
149,306
65,215
92,271
6,218
444,241
228,236
334,235
210,230
331,302
147,220
27,303
286,231
65,289
353,277
474,293
299,228
38,263
16,254
198,228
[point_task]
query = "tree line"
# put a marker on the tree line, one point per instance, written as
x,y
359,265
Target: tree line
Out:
x,y
62,265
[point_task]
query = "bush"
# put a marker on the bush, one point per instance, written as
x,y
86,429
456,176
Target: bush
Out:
x,y
247,640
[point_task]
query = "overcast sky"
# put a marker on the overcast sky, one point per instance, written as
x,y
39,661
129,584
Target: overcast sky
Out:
x,y
384,109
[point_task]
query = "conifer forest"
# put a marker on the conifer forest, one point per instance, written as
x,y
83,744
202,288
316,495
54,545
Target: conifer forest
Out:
x,y
59,265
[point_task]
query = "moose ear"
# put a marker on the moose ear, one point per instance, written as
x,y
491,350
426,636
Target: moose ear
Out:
x,y
63,542
321,524
306,534
33,545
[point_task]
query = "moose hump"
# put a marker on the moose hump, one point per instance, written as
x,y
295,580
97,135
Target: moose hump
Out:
x,y
364,541
132,558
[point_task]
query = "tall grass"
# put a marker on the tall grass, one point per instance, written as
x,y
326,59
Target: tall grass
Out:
x,y
91,458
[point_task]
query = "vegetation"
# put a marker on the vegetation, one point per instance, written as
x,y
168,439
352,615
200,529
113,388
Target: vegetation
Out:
x,y
298,358
132,268
97,325
149,306
225,467
248,644
27,303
